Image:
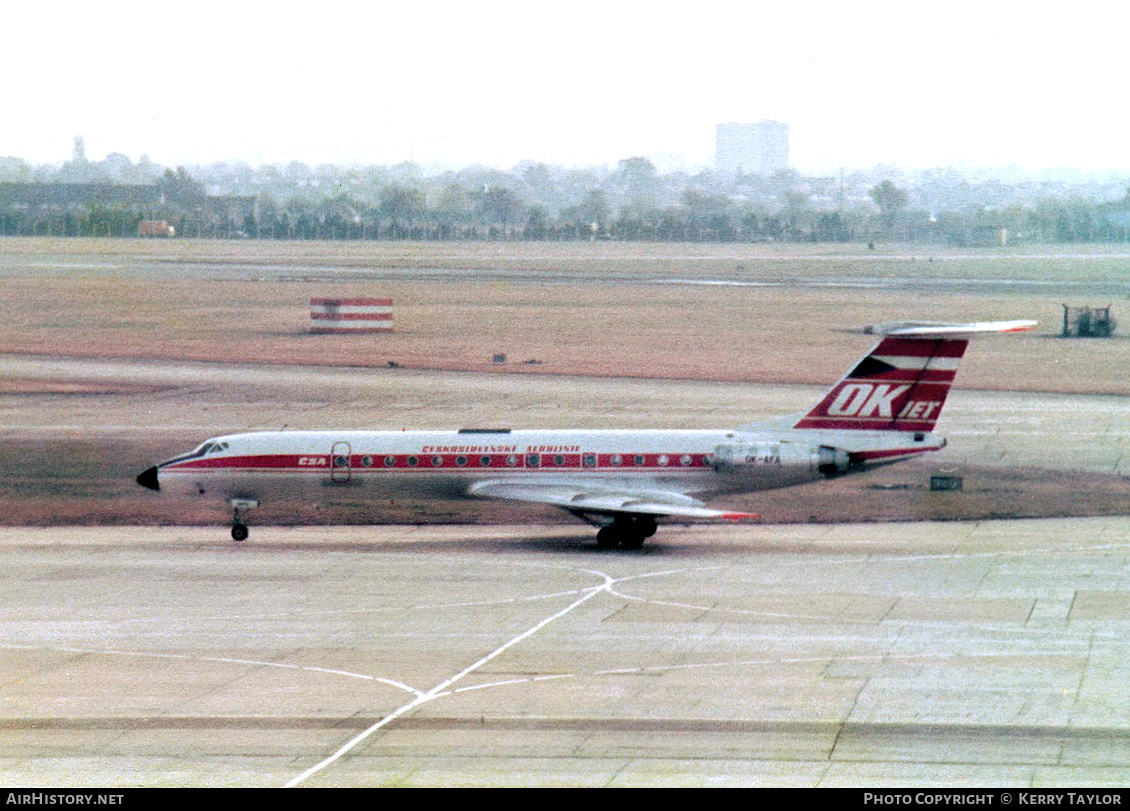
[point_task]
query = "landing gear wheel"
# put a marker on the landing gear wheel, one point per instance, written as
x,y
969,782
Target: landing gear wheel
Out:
x,y
633,531
238,528
632,540
607,538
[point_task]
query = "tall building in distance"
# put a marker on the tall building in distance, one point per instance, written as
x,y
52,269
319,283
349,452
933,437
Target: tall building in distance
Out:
x,y
751,149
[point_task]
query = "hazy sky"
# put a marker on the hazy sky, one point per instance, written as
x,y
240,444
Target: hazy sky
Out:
x,y
859,82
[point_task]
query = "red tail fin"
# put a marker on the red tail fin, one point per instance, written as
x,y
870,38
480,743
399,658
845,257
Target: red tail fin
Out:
x,y
900,386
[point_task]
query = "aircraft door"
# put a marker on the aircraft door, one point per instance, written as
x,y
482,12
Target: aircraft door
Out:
x,y
341,463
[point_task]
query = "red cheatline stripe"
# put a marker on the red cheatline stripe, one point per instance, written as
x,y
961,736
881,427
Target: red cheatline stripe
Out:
x,y
447,461
273,460
351,302
351,316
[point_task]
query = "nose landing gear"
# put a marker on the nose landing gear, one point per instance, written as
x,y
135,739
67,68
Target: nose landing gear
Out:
x,y
239,531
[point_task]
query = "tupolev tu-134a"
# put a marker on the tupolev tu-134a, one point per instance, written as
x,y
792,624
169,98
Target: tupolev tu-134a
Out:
x,y
624,481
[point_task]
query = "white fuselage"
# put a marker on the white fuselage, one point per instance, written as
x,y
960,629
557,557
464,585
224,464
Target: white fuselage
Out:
x,y
433,464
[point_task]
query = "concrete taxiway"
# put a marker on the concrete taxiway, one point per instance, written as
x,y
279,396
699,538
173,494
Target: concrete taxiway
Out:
x,y
987,653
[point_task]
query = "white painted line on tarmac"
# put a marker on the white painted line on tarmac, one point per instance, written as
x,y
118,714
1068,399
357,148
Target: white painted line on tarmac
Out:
x,y
441,689
218,659
710,609
508,682
704,608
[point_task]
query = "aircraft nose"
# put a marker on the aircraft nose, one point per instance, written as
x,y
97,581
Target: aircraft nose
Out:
x,y
149,479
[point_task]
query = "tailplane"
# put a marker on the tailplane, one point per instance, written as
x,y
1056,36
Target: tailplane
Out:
x,y
903,382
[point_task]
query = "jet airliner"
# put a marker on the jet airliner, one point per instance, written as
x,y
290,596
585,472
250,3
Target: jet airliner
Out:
x,y
623,481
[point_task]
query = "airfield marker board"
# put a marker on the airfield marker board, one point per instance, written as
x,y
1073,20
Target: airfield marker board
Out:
x,y
350,315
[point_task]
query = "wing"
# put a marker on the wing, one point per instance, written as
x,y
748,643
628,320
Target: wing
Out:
x,y
606,500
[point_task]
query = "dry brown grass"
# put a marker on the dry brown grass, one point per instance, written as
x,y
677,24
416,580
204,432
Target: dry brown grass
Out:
x,y
591,327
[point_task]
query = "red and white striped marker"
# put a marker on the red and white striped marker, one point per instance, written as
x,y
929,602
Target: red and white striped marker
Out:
x,y
350,315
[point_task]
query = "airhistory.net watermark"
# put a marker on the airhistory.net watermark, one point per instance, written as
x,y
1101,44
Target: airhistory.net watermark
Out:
x,y
61,798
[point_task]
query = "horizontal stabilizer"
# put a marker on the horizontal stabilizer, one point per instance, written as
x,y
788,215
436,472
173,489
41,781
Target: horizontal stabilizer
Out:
x,y
934,330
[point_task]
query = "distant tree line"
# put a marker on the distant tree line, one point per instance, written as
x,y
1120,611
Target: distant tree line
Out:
x,y
631,201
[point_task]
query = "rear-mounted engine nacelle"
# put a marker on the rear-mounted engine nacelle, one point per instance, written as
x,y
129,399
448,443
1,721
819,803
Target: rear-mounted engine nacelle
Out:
x,y
735,455
832,461
827,460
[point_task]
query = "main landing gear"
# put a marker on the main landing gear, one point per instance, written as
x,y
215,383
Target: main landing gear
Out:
x,y
239,531
627,532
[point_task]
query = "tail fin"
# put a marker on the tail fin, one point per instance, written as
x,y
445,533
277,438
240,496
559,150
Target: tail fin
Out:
x,y
902,383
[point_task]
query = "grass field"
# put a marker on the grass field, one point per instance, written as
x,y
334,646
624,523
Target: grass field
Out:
x,y
572,309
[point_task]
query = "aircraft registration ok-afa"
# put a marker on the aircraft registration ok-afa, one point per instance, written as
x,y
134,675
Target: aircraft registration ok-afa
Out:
x,y
882,411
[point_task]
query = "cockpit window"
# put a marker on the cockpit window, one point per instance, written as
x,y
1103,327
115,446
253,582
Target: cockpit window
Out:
x,y
205,449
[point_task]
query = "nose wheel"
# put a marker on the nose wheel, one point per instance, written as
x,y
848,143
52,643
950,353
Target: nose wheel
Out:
x,y
239,531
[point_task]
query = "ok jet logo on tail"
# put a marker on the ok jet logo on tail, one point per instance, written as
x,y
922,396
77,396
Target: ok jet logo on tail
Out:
x,y
865,400
878,400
